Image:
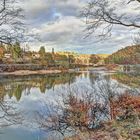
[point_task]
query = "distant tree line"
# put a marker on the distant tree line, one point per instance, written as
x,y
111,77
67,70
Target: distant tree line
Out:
x,y
128,55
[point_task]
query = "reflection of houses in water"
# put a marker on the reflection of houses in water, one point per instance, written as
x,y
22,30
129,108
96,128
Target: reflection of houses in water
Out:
x,y
8,87
130,68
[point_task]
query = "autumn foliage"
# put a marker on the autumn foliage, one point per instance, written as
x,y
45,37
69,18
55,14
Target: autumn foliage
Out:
x,y
77,111
122,106
128,55
125,105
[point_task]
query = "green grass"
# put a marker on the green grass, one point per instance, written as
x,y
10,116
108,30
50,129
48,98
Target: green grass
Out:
x,y
128,79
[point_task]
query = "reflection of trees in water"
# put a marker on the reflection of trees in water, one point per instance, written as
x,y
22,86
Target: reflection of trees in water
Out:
x,y
93,77
130,79
9,115
86,110
18,92
2,91
16,86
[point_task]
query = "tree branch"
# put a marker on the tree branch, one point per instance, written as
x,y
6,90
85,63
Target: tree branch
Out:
x,y
11,22
103,15
3,6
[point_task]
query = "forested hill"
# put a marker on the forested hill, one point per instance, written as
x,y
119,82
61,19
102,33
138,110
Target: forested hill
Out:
x,y
127,55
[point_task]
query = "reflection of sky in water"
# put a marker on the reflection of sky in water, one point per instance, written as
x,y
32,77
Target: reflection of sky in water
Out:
x,y
34,100
24,134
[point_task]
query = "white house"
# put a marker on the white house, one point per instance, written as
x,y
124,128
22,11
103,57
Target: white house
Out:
x,y
7,55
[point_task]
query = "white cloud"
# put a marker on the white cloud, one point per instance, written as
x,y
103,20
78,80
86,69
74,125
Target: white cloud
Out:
x,y
61,31
58,24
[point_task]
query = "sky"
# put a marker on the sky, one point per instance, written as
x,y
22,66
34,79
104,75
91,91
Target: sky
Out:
x,y
59,26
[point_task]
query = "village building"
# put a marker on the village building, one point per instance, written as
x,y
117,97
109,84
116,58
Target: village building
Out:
x,y
7,55
35,55
82,59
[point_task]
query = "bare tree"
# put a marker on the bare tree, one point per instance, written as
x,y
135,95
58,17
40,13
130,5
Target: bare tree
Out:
x,y
102,15
76,110
11,21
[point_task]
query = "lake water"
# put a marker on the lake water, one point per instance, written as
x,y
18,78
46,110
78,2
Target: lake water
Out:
x,y
29,96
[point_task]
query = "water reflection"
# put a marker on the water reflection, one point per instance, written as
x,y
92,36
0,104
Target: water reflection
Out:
x,y
80,105
87,106
49,101
16,86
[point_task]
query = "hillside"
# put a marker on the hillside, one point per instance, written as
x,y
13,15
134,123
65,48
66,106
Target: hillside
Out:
x,y
127,55
103,55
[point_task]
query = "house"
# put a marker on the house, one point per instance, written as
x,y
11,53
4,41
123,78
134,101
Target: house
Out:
x,y
35,55
82,59
7,55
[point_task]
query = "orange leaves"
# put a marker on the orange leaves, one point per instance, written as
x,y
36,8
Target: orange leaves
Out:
x,y
128,100
78,111
124,103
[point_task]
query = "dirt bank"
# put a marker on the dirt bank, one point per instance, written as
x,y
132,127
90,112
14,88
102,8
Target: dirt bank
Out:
x,y
28,72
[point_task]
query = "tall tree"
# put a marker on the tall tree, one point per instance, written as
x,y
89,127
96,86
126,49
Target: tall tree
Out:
x,y
49,59
16,50
1,52
42,51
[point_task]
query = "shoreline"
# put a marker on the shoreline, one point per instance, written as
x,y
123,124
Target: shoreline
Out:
x,y
29,72
43,72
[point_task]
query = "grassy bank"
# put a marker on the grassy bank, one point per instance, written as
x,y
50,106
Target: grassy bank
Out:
x,y
127,79
128,129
